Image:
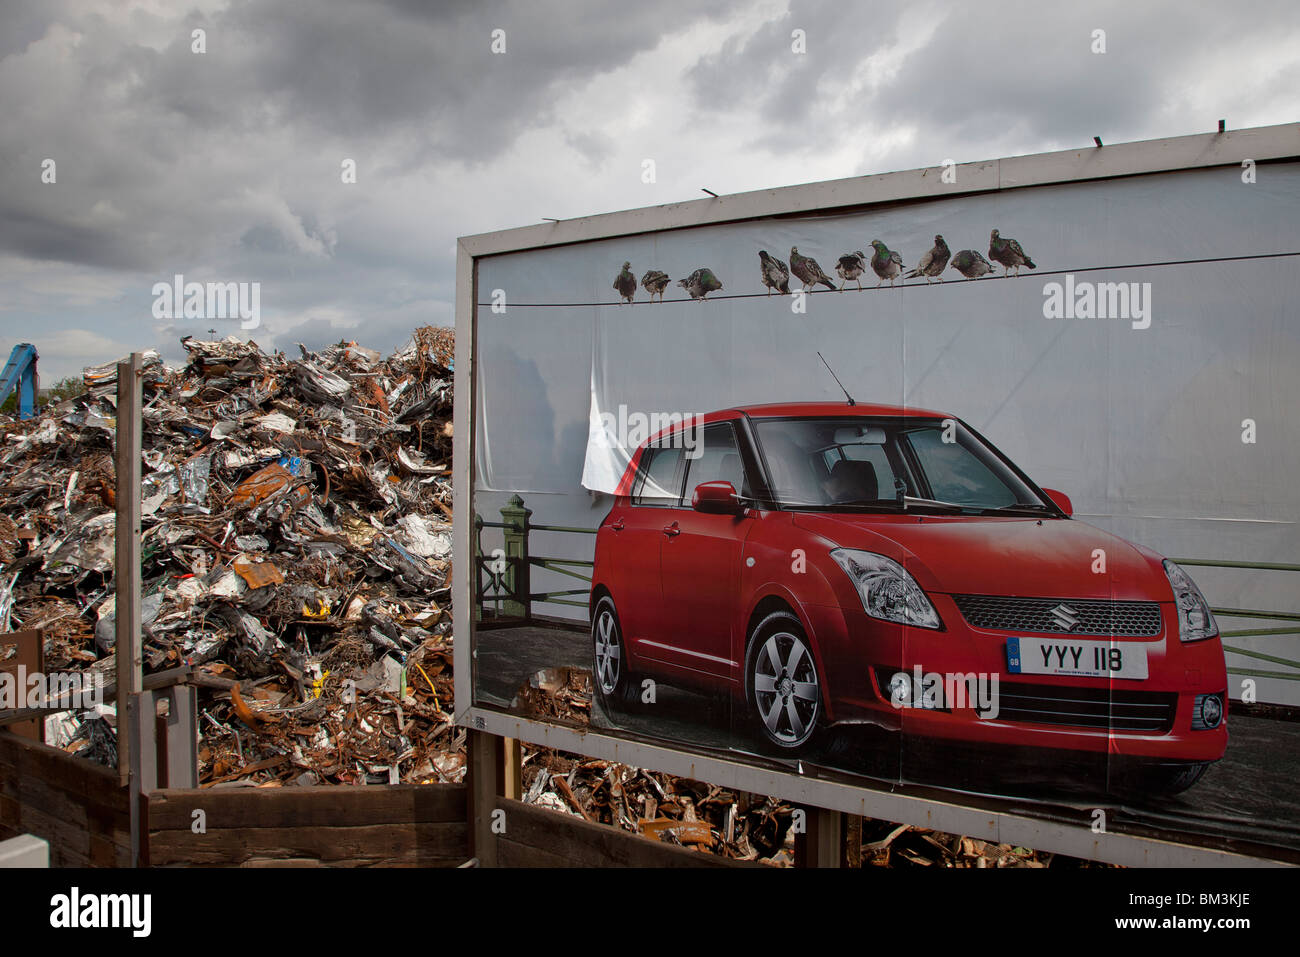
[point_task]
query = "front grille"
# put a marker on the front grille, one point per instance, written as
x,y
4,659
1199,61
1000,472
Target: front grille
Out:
x,y
1150,712
1074,616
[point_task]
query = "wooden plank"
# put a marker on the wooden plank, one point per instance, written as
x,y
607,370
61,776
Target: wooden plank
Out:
x,y
75,805
513,854
11,813
30,654
325,805
594,845
110,853
101,825
57,768
69,840
486,760
512,781
407,842
35,793
822,844
853,840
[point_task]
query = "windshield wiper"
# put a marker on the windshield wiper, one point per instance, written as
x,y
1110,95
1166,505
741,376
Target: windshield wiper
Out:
x,y
909,500
1021,507
881,503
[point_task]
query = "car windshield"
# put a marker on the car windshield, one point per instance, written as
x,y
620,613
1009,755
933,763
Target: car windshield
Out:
x,y
894,464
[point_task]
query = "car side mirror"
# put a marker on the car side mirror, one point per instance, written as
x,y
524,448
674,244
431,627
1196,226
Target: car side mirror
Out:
x,y
716,498
1061,499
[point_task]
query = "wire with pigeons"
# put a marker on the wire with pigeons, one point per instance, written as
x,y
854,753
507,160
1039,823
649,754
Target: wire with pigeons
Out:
x,y
886,263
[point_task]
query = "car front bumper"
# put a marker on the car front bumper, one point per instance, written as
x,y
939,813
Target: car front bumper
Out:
x,y
1151,718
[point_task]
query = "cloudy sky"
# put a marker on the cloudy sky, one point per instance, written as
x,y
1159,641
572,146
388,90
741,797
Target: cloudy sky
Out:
x,y
228,164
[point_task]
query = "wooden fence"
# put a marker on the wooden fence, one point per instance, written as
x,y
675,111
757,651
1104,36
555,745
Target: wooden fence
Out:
x,y
79,807
405,825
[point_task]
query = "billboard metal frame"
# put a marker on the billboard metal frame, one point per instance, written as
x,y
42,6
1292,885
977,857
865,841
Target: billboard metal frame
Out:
x,y
976,819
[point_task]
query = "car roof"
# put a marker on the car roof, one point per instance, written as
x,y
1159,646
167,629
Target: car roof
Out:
x,y
774,410
785,409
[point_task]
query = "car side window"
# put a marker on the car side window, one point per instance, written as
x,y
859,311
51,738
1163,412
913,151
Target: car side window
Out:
x,y
658,479
716,459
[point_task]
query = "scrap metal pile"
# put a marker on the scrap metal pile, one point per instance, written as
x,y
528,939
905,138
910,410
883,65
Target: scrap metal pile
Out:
x,y
662,807
739,825
296,554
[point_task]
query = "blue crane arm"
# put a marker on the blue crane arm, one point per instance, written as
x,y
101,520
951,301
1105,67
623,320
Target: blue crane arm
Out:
x,y
20,373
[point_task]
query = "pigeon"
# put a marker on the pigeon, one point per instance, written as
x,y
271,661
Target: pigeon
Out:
x,y
776,275
653,282
625,283
886,263
700,283
1009,253
807,271
933,262
971,264
850,268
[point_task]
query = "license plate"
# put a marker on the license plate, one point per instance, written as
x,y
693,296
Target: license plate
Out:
x,y
1092,659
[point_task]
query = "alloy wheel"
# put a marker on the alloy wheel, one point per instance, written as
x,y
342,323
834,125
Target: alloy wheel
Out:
x,y
609,650
786,694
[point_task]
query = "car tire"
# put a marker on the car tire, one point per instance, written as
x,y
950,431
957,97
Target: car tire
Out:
x,y
614,683
783,689
1173,778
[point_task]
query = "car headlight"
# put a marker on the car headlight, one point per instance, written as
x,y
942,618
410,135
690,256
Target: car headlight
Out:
x,y
888,592
1195,620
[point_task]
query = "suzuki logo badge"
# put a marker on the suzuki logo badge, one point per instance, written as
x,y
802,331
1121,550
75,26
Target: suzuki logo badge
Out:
x,y
1064,616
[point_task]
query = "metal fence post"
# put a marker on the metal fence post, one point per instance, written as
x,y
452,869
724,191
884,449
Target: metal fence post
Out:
x,y
478,567
518,580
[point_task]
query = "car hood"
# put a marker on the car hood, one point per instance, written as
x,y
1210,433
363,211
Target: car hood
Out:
x,y
1054,558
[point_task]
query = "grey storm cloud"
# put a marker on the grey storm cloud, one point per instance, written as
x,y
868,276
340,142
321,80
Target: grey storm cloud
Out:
x,y
226,165
1021,67
762,71
152,126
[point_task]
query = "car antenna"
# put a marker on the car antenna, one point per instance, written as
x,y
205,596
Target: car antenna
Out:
x,y
836,378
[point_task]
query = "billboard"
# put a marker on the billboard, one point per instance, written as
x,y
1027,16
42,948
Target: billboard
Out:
x,y
976,478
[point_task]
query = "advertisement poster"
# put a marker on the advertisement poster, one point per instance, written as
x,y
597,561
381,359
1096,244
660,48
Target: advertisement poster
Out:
x,y
991,493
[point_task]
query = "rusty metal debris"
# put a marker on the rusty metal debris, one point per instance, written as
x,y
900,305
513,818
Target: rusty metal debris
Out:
x,y
659,806
560,695
736,824
296,551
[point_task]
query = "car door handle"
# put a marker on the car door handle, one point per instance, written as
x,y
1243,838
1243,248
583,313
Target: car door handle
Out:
x,y
618,525
672,530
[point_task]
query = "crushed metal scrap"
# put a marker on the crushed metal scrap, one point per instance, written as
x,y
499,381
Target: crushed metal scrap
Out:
x,y
296,542
735,824
703,817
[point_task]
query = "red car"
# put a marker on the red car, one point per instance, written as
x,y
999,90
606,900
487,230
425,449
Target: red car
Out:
x,y
839,563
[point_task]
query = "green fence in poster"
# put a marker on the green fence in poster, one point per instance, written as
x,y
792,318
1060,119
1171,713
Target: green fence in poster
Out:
x,y
503,578
1287,616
